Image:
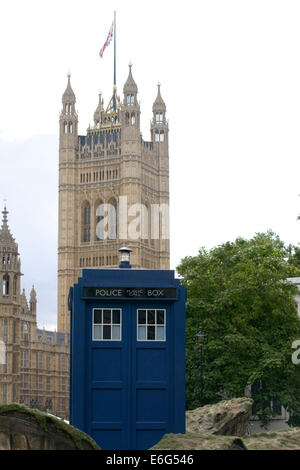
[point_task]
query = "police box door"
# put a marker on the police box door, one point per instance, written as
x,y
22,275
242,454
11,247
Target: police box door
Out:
x,y
129,386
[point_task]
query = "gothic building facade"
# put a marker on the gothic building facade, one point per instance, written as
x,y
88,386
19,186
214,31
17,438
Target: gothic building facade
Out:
x,y
113,189
34,363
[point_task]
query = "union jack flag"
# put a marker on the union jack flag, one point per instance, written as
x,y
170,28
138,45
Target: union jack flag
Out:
x,y
108,40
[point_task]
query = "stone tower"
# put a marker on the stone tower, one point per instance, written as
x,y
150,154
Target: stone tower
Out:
x,y
33,362
113,189
10,300
10,266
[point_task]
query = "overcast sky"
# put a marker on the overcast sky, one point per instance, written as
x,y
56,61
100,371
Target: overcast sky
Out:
x,y
230,77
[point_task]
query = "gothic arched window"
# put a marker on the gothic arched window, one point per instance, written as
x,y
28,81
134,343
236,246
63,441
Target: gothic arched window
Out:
x,y
132,118
106,220
112,219
5,286
65,128
99,216
159,118
86,222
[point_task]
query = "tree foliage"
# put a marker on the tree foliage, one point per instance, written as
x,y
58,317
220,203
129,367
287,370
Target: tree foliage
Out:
x,y
239,295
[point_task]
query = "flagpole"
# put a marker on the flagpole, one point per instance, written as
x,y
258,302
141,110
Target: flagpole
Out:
x,y
115,81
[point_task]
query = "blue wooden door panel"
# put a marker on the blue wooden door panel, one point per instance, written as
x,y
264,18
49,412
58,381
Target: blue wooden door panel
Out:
x,y
151,391
108,385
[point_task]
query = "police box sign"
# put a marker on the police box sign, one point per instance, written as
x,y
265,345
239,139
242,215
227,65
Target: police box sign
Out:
x,y
130,292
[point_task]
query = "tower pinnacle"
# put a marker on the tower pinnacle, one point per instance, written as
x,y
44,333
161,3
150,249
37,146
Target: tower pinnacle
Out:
x,y
6,238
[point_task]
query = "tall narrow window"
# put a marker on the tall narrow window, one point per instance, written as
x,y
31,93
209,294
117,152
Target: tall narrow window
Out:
x,y
5,288
4,362
99,220
3,356
25,359
25,331
106,221
86,225
5,331
162,136
112,219
159,118
4,393
132,118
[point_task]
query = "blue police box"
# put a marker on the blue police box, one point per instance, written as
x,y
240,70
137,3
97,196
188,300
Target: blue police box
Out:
x,y
127,367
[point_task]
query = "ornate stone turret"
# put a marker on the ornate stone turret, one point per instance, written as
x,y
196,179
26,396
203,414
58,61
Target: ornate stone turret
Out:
x,y
159,104
159,133
159,125
99,111
131,114
33,301
10,264
68,118
130,89
6,239
68,96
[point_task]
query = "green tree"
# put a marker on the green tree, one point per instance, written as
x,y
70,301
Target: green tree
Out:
x,y
294,255
238,293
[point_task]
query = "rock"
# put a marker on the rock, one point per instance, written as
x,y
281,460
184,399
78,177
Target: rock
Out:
x,y
194,441
287,439
4,441
228,418
22,428
18,442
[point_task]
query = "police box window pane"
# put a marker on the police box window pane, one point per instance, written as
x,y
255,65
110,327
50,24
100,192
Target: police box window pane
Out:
x,y
106,332
160,317
151,325
116,317
142,317
116,332
97,316
97,332
160,333
151,333
151,317
106,324
107,316
142,333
